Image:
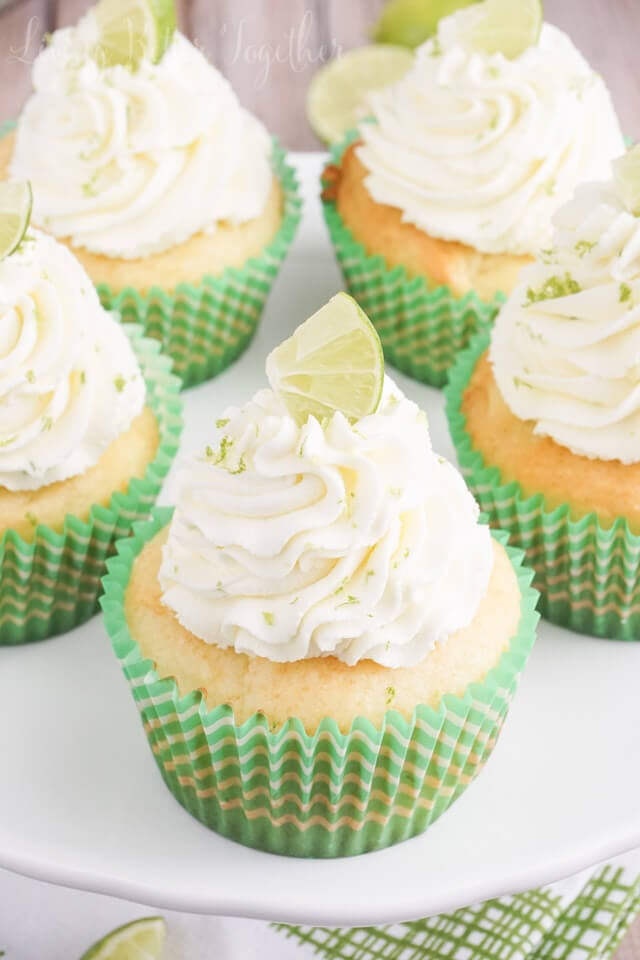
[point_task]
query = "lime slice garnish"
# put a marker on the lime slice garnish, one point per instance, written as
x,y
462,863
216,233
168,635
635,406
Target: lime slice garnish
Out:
x,y
333,362
411,22
626,174
338,89
508,27
140,940
133,30
16,200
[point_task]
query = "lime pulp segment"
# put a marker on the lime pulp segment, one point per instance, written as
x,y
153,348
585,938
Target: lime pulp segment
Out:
x,y
332,362
411,22
140,940
338,89
508,27
16,201
131,31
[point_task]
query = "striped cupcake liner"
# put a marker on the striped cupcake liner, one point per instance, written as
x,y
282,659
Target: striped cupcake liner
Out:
x,y
422,329
320,794
51,584
588,575
205,327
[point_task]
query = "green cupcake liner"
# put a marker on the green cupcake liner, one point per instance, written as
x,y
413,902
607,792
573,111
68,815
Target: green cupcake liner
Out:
x,y
325,794
588,575
53,583
422,328
205,327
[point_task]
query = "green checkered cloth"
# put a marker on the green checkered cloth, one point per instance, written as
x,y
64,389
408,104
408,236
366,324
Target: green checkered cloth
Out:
x,y
584,918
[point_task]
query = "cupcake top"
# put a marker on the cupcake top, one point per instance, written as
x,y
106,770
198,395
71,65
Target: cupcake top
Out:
x,y
130,163
481,149
566,346
69,380
295,538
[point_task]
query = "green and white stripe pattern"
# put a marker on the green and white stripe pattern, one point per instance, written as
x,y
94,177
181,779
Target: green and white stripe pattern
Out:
x,y
588,575
324,794
205,327
582,919
52,584
422,329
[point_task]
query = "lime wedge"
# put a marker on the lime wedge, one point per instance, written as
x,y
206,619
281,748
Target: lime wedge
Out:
x,y
338,89
16,200
411,22
333,362
626,174
505,26
133,30
140,940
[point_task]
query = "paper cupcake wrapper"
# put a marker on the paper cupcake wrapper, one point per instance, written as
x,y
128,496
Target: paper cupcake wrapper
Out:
x,y
320,794
53,584
205,327
588,575
422,328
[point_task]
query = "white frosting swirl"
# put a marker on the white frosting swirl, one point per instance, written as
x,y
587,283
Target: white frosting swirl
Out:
x,y
483,150
570,360
128,164
69,380
353,541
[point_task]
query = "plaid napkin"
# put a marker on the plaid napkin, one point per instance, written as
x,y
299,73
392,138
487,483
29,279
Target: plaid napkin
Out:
x,y
584,918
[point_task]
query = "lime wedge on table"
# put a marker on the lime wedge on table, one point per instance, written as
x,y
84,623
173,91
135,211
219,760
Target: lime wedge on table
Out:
x,y
626,173
332,362
338,89
505,26
411,22
16,201
133,30
140,940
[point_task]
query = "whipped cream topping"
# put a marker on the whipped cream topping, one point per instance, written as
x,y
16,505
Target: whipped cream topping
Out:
x,y
566,346
128,164
352,541
69,380
483,150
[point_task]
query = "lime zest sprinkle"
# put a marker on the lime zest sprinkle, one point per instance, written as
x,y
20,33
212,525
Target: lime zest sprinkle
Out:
x,y
119,383
553,288
295,600
220,424
341,586
518,382
241,467
390,694
626,293
550,187
585,246
370,573
31,518
47,423
83,377
31,376
269,617
349,602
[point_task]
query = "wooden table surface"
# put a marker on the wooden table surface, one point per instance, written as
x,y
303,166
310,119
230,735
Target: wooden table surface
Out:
x,y
269,49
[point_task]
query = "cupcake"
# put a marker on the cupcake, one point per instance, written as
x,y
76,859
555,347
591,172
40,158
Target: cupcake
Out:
x,y
545,412
174,198
436,204
322,639
89,425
